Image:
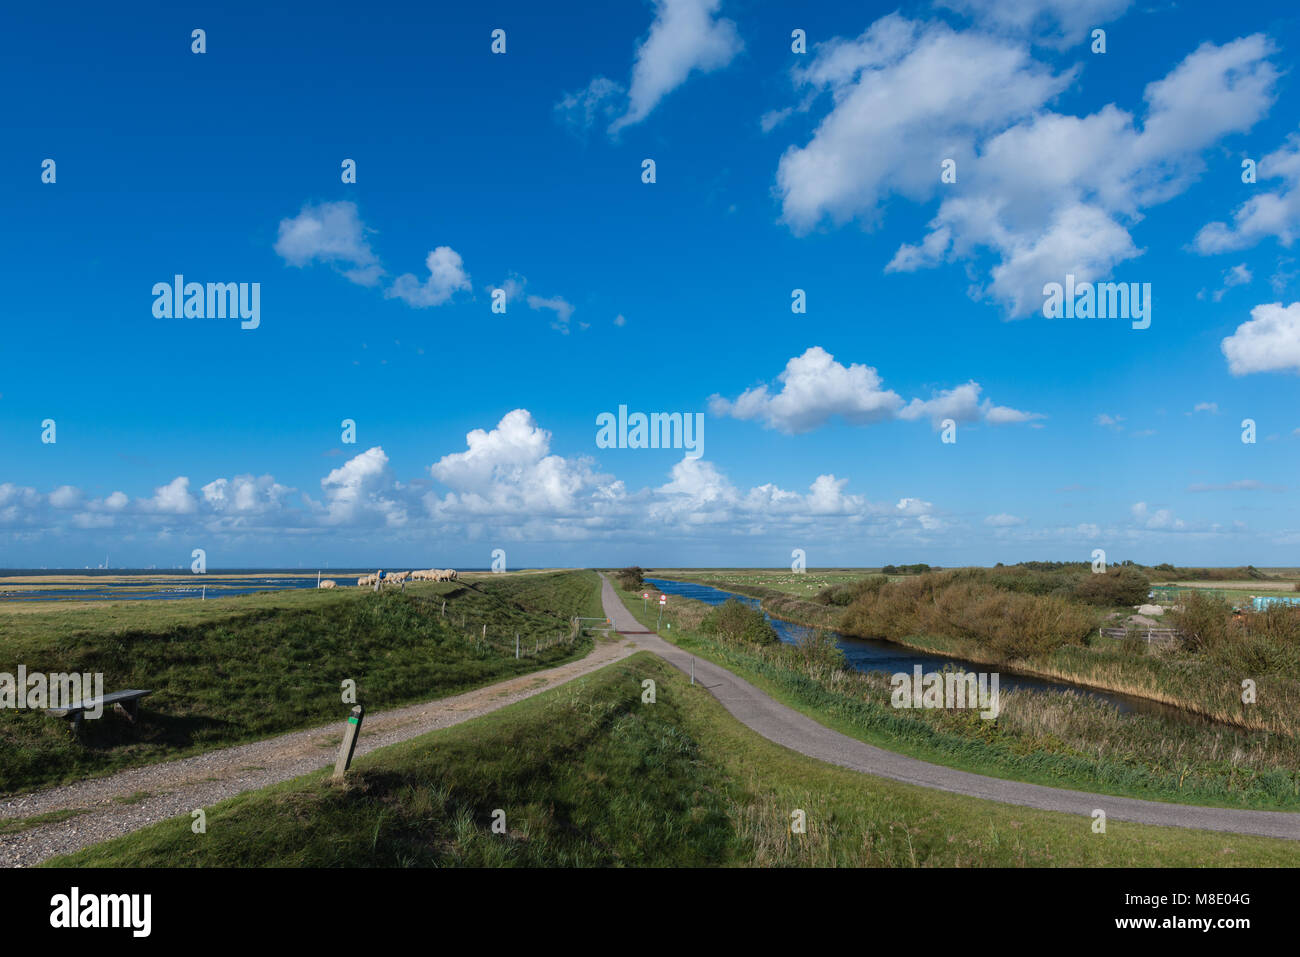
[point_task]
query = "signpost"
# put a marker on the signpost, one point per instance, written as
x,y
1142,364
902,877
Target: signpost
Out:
x,y
645,597
663,600
349,742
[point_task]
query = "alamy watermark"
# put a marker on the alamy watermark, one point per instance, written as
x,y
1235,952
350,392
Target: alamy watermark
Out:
x,y
947,689
1102,300
658,430
40,689
215,300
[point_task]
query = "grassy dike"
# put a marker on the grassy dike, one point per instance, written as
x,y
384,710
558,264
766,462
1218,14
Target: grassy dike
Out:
x,y
242,668
589,775
1053,739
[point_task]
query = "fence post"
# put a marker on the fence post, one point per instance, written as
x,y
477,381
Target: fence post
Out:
x,y
349,743
516,646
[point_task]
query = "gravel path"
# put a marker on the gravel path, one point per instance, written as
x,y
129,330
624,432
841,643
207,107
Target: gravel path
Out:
x,y
161,791
797,731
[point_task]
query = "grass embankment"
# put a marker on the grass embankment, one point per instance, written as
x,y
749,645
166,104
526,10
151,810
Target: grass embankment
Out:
x,y
588,775
239,669
1056,739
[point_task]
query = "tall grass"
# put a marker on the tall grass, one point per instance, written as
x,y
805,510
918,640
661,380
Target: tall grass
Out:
x,y
1007,624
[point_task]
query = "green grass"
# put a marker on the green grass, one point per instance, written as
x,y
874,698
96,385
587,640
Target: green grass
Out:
x,y
15,824
588,775
1050,738
240,669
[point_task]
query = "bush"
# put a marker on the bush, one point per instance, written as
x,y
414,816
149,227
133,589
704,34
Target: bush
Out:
x,y
965,604
918,569
1202,620
630,579
1116,586
736,622
843,595
818,649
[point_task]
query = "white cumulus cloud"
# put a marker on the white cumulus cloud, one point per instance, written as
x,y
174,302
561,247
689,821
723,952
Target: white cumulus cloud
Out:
x,y
1268,342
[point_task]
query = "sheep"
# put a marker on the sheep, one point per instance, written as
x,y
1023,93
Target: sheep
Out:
x,y
450,573
328,583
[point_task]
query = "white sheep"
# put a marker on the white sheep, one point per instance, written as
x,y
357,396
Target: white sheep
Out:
x,y
328,583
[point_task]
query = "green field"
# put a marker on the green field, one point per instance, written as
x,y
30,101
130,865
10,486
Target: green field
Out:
x,y
242,668
589,775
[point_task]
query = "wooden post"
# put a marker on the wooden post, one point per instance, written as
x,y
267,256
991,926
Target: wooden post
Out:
x,y
349,744
516,646
444,608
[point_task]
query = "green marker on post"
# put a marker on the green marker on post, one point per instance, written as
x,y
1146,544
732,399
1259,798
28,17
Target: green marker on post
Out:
x,y
349,742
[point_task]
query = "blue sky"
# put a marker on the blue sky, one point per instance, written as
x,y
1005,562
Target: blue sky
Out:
x,y
774,171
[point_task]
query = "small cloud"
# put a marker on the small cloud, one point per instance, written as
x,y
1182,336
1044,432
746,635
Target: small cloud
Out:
x,y
563,310
1251,485
513,286
774,118
1110,421
330,233
1156,520
597,101
1268,342
1003,520
619,320
446,276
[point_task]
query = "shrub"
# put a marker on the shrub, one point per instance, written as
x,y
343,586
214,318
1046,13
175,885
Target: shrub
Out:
x,y
844,594
631,578
918,569
1116,586
816,649
1202,620
736,622
960,604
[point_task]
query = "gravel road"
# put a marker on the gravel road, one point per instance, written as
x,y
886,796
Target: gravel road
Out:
x,y
132,799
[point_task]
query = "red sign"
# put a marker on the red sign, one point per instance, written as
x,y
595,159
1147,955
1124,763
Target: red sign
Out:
x,y
663,599
645,594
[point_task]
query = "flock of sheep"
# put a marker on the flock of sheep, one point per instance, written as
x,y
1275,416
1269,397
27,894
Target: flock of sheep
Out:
x,y
397,578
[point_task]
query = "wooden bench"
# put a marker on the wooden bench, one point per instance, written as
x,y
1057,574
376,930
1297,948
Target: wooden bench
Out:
x,y
125,702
